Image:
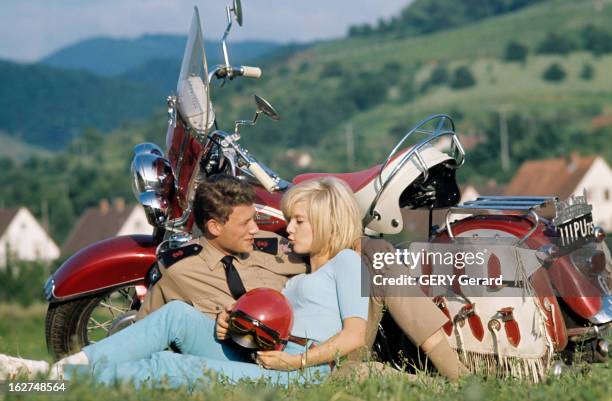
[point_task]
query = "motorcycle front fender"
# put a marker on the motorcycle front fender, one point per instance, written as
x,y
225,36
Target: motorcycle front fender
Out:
x,y
109,263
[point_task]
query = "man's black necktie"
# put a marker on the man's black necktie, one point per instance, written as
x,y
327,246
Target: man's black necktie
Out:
x,y
234,281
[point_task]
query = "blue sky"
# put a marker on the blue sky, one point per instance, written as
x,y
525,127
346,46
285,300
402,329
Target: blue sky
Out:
x,y
31,29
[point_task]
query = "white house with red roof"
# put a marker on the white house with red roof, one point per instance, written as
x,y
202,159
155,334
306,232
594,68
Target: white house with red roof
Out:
x,y
566,176
105,221
22,237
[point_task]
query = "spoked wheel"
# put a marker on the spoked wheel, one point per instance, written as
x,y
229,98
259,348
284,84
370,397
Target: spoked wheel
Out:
x,y
71,325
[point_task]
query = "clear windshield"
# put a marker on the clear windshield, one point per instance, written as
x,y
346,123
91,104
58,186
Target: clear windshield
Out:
x,y
192,88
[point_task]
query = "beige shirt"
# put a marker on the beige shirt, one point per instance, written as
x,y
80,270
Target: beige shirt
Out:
x,y
200,279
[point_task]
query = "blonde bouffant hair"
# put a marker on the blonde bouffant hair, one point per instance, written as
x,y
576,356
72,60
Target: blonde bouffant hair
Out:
x,y
332,211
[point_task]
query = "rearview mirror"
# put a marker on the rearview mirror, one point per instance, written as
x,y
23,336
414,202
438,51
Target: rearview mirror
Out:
x,y
237,9
263,106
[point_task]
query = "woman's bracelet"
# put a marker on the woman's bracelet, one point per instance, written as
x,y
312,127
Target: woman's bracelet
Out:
x,y
303,360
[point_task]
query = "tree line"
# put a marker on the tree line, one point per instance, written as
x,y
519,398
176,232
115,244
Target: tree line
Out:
x,y
591,38
427,16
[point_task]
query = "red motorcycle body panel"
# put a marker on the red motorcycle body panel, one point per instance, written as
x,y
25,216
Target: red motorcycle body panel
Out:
x,y
355,180
184,155
105,264
173,135
265,198
268,216
577,291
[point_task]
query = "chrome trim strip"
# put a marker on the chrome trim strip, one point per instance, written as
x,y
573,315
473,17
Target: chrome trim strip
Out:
x,y
605,313
519,198
49,289
97,290
492,210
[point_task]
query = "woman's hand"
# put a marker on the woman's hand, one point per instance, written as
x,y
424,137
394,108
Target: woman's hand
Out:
x,y
222,326
350,338
278,360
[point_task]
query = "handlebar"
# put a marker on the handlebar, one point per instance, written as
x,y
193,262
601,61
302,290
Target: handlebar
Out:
x,y
231,72
251,72
269,181
264,178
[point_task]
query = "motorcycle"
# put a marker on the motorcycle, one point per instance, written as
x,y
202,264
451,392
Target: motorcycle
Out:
x,y
97,291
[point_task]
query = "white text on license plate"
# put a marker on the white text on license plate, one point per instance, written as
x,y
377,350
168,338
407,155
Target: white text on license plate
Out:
x,y
576,229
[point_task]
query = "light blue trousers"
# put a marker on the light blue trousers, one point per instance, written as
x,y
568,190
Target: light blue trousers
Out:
x,y
137,354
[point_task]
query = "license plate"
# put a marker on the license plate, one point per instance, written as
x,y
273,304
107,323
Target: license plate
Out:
x,y
577,230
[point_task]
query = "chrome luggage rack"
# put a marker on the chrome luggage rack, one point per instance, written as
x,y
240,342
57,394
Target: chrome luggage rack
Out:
x,y
514,205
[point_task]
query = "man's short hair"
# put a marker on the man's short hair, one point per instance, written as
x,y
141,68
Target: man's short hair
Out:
x,y
216,198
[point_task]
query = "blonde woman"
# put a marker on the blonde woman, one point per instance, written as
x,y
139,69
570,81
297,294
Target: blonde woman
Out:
x,y
324,224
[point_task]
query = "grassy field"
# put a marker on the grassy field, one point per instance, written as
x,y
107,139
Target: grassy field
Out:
x,y
22,332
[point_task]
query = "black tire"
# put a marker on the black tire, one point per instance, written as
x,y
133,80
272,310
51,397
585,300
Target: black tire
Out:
x,y
68,324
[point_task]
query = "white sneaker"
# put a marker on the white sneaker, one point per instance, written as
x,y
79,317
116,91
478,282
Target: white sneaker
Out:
x,y
11,367
56,372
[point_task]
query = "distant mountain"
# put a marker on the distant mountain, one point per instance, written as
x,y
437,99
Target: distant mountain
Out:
x,y
15,149
115,57
162,73
47,107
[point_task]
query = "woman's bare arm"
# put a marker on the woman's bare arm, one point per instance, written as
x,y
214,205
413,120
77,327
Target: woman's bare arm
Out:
x,y
351,337
347,340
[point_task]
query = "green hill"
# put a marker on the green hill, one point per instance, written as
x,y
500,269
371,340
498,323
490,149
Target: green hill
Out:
x,y
486,38
427,16
47,107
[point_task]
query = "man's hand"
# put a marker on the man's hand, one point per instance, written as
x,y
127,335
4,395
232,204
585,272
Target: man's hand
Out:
x,y
278,360
222,326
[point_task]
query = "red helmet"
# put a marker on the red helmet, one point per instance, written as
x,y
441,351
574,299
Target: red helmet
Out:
x,y
262,319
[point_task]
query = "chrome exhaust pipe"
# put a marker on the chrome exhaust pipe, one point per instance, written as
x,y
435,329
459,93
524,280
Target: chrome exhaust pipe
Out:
x,y
557,369
602,348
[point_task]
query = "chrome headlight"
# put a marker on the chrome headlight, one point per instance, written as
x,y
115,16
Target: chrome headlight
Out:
x,y
151,173
155,206
148,147
152,181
